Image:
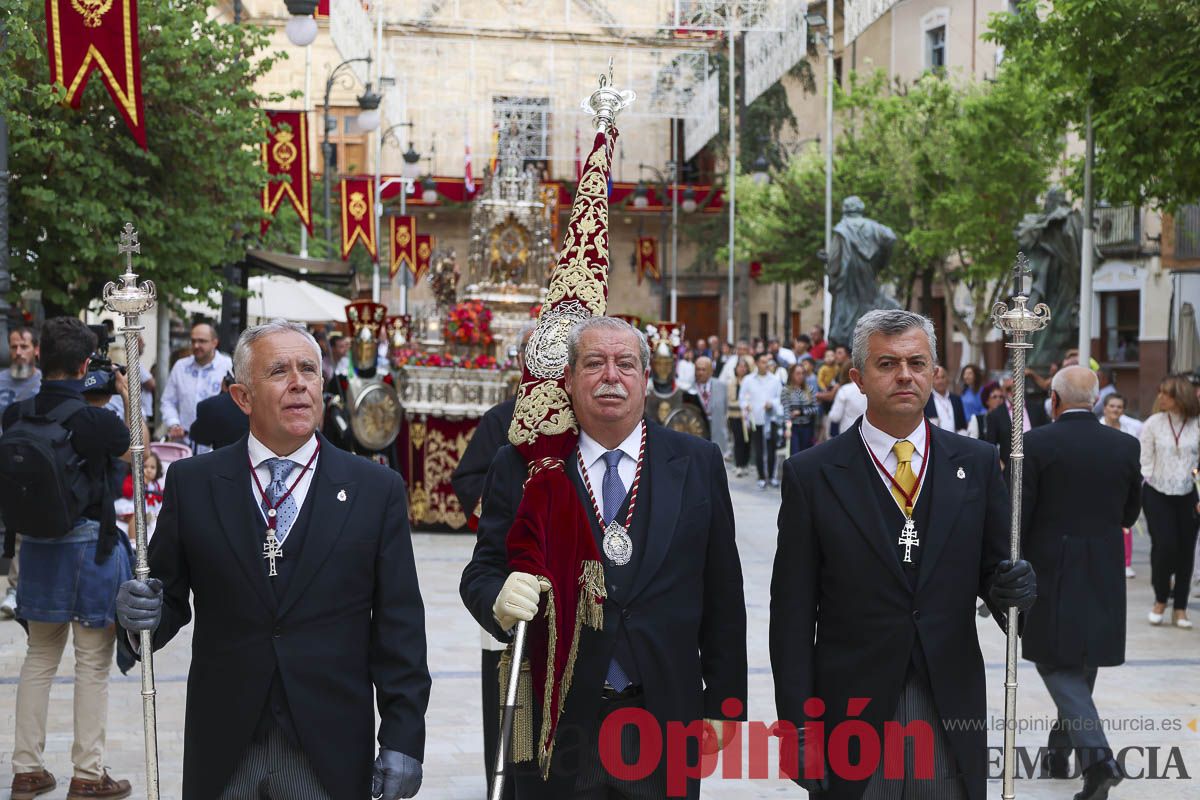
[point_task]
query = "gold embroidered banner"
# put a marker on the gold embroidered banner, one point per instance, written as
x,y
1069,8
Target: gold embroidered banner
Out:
x,y
86,35
404,244
285,155
358,215
424,253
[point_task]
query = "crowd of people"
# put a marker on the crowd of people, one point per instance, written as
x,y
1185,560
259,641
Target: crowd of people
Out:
x,y
881,396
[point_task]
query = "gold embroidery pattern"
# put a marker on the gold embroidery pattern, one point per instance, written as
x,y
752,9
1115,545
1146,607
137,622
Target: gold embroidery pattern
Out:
x,y
416,435
92,11
418,500
284,151
543,410
358,205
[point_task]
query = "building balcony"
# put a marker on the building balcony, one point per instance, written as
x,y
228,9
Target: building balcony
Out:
x,y
1118,229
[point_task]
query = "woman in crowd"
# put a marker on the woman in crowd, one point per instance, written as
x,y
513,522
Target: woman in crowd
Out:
x,y
800,409
737,425
1170,452
971,379
992,395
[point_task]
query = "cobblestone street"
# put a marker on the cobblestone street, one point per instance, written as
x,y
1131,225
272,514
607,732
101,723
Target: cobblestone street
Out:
x,y
1151,701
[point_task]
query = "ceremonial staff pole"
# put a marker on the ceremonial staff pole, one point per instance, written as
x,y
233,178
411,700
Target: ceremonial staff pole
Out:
x,y
1018,323
131,301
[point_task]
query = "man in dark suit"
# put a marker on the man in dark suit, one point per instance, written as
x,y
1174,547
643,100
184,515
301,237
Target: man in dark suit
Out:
x,y
999,421
886,536
279,700
945,408
219,421
674,631
1082,486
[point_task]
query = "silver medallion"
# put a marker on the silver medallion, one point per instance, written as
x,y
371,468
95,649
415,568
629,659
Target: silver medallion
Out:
x,y
618,547
546,353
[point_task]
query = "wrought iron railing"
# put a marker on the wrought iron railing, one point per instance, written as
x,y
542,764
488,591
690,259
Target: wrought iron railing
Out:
x,y
1187,232
1117,226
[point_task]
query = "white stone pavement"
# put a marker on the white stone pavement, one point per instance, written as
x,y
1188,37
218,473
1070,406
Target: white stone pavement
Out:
x,y
1159,684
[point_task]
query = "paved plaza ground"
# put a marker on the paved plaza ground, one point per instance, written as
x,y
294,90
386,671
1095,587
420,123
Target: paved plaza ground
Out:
x,y
1150,701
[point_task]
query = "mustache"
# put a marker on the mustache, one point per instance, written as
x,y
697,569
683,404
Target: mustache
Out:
x,y
611,390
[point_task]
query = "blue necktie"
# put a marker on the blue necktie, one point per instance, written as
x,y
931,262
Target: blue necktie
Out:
x,y
613,492
285,514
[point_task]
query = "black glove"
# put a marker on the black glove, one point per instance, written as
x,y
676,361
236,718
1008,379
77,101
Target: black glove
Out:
x,y
1014,584
139,605
814,786
395,775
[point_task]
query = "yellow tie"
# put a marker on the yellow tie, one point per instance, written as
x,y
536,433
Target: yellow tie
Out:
x,y
904,474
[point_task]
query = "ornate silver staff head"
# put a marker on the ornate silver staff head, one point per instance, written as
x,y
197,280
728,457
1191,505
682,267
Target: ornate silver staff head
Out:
x,y
128,298
1019,321
606,102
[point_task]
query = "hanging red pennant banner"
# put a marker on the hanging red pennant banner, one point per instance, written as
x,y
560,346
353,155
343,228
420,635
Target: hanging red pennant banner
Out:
x,y
647,258
322,10
358,215
424,254
86,35
404,244
285,153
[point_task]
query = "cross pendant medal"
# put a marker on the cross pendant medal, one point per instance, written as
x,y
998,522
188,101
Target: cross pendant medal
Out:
x,y
272,549
908,538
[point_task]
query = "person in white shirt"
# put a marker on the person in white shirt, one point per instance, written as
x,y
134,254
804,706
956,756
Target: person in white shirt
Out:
x,y
759,398
685,374
193,378
848,405
945,409
741,351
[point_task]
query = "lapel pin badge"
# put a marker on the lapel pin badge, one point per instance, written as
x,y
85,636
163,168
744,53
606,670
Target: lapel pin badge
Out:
x,y
961,473
342,494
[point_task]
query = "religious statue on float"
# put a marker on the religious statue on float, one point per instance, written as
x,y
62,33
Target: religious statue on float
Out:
x,y
362,410
667,403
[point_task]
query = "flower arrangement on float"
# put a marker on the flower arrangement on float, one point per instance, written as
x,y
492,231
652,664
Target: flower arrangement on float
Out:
x,y
469,323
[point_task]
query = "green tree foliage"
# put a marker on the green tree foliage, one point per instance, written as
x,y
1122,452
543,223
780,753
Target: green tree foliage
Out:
x,y
1138,63
949,167
78,176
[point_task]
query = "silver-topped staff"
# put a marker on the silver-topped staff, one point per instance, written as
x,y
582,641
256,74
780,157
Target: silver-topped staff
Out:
x,y
1018,323
131,300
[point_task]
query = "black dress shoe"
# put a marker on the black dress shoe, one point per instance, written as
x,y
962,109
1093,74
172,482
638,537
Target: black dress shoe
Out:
x,y
1056,764
1099,778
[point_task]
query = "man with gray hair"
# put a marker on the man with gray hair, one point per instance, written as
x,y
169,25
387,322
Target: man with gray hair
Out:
x,y
658,506
298,560
1082,486
887,534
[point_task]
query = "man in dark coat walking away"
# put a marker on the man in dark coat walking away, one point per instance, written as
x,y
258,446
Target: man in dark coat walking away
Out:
x,y
1082,485
887,534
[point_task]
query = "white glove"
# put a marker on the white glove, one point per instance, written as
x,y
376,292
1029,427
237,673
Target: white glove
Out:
x,y
518,600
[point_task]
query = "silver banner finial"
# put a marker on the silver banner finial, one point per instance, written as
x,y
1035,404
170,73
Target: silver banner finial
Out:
x,y
606,102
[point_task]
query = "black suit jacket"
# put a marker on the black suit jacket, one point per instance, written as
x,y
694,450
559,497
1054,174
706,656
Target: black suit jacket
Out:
x,y
685,615
960,416
1083,484
219,422
490,435
845,620
999,425
350,621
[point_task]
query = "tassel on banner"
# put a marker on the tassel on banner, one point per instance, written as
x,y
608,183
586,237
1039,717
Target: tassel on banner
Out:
x,y
82,37
358,215
521,742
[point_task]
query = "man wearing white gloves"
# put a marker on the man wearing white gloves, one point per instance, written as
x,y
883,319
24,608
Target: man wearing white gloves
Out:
x,y
664,647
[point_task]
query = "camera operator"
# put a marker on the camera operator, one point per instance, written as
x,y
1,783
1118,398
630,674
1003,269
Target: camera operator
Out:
x,y
20,381
69,583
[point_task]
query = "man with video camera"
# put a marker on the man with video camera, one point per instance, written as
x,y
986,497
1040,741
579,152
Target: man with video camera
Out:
x,y
57,489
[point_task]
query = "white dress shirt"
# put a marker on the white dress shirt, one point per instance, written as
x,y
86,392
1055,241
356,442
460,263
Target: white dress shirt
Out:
x,y
881,445
945,411
259,453
593,459
848,405
756,392
1166,464
188,384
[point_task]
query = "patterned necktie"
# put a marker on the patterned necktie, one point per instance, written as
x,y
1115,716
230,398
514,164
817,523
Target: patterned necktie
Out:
x,y
905,476
705,394
285,514
612,490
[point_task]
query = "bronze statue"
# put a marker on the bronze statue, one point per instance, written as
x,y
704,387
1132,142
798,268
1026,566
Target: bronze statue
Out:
x,y
859,252
1053,243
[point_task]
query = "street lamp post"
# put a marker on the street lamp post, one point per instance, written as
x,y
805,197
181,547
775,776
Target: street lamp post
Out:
x,y
817,20
327,146
409,173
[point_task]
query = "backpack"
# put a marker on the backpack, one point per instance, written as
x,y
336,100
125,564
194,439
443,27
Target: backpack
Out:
x,y
43,486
